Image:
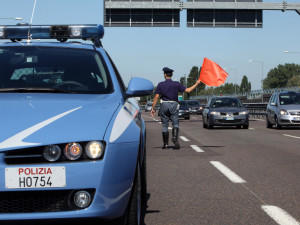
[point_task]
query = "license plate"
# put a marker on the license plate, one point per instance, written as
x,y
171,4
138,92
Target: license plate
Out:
x,y
229,118
297,118
35,177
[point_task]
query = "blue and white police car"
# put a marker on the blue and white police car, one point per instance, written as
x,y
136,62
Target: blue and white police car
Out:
x,y
72,140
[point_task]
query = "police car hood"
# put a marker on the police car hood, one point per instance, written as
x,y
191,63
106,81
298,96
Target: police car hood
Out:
x,y
42,119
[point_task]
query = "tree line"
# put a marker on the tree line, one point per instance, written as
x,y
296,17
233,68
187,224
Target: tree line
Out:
x,y
287,75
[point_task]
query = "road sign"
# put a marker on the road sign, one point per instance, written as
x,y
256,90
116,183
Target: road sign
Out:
x,y
129,13
200,13
224,18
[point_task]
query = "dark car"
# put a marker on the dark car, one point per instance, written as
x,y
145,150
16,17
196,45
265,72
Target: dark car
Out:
x,y
184,110
225,111
195,106
283,110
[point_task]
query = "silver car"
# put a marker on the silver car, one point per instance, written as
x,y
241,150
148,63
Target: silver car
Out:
x,y
225,111
283,110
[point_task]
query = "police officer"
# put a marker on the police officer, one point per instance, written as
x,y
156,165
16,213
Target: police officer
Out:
x,y
169,107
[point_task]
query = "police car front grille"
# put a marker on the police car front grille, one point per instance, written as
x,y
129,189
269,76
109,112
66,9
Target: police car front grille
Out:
x,y
38,201
25,156
33,201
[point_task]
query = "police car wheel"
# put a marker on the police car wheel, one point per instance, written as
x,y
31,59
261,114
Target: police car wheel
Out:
x,y
144,180
135,204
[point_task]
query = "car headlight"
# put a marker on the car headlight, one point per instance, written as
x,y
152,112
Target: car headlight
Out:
x,y
52,153
94,149
243,113
283,112
73,151
186,110
200,108
214,113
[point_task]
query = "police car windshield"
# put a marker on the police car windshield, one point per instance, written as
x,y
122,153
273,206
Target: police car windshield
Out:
x,y
41,68
289,99
225,102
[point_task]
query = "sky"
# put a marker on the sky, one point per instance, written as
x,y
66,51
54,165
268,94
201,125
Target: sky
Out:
x,y
143,52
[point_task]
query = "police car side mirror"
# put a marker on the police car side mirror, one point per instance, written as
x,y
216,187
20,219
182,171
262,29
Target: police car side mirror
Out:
x,y
139,87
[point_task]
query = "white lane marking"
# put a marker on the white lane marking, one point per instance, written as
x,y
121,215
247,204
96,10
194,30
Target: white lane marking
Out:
x,y
194,117
159,122
196,148
170,128
227,172
291,136
251,128
17,139
279,215
184,138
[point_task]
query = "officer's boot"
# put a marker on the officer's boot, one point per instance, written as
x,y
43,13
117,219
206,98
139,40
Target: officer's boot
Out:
x,y
165,136
175,133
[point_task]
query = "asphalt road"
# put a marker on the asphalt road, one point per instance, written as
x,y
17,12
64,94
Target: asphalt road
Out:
x,y
223,175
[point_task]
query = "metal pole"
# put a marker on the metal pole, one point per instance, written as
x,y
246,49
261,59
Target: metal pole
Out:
x,y
262,82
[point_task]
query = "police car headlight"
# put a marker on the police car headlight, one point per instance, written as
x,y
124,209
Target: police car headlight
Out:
x,y
82,199
94,149
52,153
215,113
73,151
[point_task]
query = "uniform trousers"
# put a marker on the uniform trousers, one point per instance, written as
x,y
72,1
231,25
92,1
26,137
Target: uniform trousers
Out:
x,y
169,110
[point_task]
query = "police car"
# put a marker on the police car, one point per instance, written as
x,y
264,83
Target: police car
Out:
x,y
72,140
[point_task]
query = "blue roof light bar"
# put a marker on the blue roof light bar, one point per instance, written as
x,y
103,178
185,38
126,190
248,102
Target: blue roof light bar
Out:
x,y
52,32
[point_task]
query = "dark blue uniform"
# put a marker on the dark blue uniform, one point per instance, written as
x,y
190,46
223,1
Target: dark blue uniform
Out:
x,y
168,91
169,107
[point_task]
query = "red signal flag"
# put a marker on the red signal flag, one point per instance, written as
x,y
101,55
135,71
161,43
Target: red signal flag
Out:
x,y
212,74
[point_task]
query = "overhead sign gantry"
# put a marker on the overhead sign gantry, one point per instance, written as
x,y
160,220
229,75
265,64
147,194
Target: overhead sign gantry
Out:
x,y
200,13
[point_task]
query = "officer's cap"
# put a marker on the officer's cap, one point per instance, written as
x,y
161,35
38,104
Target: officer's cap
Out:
x,y
167,70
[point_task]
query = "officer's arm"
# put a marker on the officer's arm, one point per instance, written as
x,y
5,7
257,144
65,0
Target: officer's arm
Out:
x,y
156,97
190,89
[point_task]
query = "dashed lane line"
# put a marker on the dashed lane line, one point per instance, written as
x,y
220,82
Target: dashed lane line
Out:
x,y
279,215
251,129
227,172
170,128
291,136
196,148
184,138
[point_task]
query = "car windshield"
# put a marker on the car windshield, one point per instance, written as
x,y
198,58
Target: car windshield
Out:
x,y
225,102
193,103
183,104
289,99
53,68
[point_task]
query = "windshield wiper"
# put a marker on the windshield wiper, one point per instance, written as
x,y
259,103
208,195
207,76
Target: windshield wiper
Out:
x,y
36,89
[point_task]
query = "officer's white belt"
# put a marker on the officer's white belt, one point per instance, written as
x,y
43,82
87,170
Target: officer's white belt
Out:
x,y
167,101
